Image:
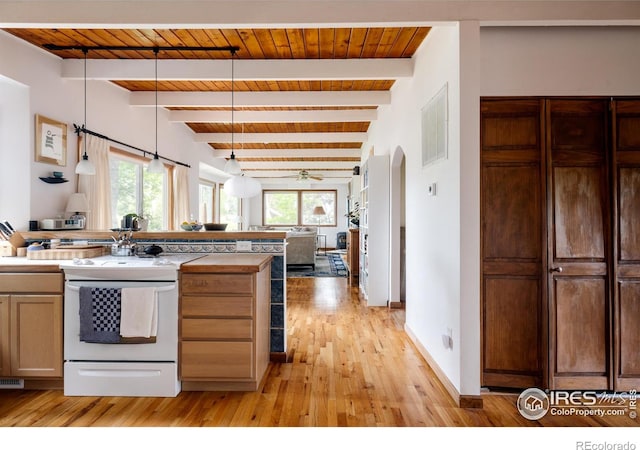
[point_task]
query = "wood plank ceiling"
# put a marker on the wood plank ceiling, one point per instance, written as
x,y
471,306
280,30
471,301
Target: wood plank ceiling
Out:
x,y
303,98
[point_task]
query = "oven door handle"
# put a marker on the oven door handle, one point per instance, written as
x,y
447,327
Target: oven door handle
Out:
x,y
75,288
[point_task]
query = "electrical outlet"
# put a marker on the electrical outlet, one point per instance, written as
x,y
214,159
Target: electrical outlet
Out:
x,y
243,246
447,339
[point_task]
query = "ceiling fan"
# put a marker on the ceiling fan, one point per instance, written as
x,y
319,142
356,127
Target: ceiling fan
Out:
x,y
304,175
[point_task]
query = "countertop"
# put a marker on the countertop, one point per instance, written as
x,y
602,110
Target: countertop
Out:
x,y
228,263
146,235
11,263
220,263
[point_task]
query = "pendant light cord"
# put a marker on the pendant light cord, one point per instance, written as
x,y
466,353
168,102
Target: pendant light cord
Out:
x,y
155,51
232,101
84,138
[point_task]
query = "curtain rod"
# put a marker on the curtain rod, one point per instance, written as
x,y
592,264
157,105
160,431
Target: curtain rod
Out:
x,y
85,48
82,129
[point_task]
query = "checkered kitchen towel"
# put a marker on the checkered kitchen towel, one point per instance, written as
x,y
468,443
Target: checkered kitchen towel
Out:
x,y
100,315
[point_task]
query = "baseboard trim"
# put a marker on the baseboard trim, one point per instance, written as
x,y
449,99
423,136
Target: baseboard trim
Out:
x,y
463,401
396,304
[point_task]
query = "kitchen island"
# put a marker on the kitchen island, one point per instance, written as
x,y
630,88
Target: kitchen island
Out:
x,y
224,322
267,242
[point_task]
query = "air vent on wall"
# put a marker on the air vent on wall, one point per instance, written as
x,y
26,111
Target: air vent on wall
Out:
x,y
12,383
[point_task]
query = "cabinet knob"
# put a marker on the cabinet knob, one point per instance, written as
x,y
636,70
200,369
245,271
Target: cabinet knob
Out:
x,y
556,269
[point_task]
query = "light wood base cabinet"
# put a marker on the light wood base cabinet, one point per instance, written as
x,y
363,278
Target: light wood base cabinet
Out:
x,y
224,322
31,325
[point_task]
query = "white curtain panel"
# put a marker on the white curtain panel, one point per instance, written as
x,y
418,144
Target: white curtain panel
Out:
x,y
97,188
181,210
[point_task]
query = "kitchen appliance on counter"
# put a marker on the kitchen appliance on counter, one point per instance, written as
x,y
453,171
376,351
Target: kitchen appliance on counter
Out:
x,y
62,224
143,369
123,245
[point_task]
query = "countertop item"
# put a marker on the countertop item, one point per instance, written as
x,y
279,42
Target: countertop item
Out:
x,y
215,226
153,250
67,252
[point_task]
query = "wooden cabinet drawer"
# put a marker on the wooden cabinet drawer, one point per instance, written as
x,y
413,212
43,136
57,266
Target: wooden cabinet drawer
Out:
x,y
206,360
31,282
215,283
217,329
225,306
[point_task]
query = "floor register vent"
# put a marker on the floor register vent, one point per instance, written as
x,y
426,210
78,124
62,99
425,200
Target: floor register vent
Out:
x,y
12,383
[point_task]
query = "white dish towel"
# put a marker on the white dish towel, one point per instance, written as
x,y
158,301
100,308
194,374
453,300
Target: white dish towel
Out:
x,y
139,312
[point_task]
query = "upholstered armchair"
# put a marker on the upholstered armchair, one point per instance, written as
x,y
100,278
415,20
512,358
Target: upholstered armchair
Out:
x,y
301,248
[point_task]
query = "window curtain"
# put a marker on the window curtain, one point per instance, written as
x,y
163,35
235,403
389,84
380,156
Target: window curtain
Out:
x,y
97,188
181,209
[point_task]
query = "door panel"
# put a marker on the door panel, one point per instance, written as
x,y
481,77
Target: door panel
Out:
x,y
513,244
579,243
629,214
629,329
580,312
626,153
5,367
577,196
510,195
512,341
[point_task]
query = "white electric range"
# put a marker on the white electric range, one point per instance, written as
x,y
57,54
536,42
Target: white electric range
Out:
x,y
142,369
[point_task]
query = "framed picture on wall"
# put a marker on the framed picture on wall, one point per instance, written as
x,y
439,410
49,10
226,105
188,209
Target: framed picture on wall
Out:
x,y
51,141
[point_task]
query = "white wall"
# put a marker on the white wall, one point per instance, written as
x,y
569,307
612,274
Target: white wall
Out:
x,y
560,61
14,152
443,287
108,113
432,223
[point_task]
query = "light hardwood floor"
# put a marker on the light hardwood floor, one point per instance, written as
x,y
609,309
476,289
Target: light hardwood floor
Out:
x,y
350,366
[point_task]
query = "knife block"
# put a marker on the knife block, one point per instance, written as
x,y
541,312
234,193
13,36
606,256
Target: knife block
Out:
x,y
9,248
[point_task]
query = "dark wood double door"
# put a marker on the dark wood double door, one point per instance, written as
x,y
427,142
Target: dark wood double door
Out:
x,y
560,218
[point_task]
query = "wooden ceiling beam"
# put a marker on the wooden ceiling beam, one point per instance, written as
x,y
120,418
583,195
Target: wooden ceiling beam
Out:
x,y
290,153
281,137
263,98
339,115
260,69
297,165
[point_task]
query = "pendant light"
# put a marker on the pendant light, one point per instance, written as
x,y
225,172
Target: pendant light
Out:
x,y
232,167
242,186
84,166
156,166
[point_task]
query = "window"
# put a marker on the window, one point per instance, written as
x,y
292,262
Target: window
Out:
x,y
280,208
133,190
206,201
230,210
295,208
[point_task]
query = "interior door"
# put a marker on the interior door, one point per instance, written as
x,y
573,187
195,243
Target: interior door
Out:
x,y
513,236
579,245
626,146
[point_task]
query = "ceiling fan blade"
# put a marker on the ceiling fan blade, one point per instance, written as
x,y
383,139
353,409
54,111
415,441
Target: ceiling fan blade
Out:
x,y
315,178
